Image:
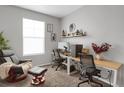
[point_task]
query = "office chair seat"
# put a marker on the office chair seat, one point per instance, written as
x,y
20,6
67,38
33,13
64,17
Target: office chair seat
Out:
x,y
95,72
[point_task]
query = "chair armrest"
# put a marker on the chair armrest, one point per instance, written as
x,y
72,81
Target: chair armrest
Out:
x,y
98,71
25,60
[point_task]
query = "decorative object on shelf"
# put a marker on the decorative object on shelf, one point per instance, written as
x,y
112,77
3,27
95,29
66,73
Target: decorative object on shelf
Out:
x,y
53,37
84,33
69,34
81,32
72,27
63,33
100,49
3,42
50,28
73,34
77,32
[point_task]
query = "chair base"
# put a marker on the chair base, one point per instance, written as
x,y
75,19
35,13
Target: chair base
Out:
x,y
89,82
17,79
38,74
59,66
37,80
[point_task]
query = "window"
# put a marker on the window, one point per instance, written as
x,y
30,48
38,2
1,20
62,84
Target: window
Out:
x,y
33,37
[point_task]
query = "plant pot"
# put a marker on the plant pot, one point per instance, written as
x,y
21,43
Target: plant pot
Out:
x,y
98,56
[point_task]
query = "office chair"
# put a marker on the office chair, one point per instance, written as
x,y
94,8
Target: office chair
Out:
x,y
58,60
88,69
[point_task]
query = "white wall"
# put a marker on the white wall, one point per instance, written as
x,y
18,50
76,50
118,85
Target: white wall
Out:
x,y
11,24
102,24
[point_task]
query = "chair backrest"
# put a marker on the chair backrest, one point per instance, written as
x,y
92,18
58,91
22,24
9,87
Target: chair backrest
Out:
x,y
56,53
87,61
2,60
9,56
1,53
15,59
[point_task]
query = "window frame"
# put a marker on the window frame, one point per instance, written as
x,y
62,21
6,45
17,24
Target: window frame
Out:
x,y
32,54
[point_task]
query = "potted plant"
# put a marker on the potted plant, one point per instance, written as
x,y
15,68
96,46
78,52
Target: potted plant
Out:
x,y
3,43
100,49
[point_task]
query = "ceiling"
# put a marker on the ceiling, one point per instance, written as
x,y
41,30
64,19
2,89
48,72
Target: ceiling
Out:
x,y
53,10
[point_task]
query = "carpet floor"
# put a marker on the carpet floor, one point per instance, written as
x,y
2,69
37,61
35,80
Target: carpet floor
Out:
x,y
53,79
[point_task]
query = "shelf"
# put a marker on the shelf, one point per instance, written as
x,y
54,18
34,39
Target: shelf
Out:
x,y
72,36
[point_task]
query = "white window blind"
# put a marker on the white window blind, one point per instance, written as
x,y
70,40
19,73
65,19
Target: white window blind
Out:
x,y
33,37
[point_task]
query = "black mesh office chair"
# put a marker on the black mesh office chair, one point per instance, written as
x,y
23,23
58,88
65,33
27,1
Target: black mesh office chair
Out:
x,y
88,69
58,60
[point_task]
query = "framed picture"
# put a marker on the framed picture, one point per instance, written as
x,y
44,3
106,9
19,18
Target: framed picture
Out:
x,y
50,28
53,37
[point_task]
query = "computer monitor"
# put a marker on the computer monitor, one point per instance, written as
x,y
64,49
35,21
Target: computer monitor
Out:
x,y
64,45
76,49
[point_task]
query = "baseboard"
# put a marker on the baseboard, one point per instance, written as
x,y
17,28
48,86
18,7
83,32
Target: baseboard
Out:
x,y
47,64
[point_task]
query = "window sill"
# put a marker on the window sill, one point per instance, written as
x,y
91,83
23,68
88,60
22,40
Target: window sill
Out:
x,y
37,54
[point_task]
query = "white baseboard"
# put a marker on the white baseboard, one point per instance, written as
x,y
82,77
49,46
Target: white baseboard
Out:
x,y
46,64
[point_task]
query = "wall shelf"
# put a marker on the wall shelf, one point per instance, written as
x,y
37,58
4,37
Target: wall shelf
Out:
x,y
73,36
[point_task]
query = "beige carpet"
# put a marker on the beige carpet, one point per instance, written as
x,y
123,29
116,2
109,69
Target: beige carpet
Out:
x,y
53,79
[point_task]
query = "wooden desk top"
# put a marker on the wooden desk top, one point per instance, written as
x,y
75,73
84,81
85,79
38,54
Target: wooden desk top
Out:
x,y
104,63
108,64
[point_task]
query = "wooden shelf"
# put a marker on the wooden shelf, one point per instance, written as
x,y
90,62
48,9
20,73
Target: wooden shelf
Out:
x,y
72,36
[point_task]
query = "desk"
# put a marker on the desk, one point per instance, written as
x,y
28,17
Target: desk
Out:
x,y
109,65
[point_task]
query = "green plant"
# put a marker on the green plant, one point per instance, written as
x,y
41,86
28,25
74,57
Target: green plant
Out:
x,y
3,42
